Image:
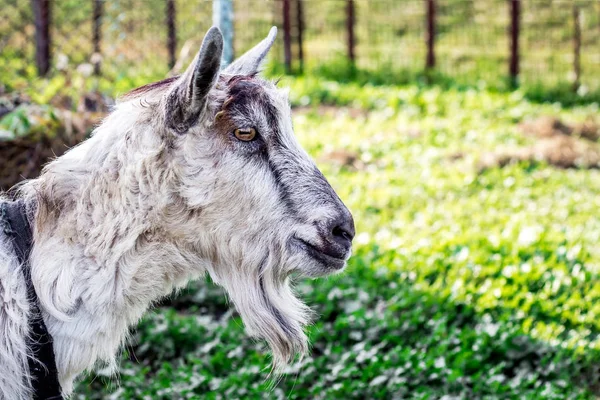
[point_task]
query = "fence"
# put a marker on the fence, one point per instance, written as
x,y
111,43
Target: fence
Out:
x,y
547,41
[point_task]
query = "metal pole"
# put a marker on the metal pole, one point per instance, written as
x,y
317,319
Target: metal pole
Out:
x,y
223,18
171,32
576,47
350,20
300,23
287,37
515,29
41,15
430,38
97,34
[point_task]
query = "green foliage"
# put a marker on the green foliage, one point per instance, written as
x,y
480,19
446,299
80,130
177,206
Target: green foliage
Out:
x,y
463,284
340,71
28,120
376,336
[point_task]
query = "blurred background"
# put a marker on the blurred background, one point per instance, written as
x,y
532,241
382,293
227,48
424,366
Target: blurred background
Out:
x,y
462,134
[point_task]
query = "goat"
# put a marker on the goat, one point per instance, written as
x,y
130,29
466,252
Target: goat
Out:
x,y
196,174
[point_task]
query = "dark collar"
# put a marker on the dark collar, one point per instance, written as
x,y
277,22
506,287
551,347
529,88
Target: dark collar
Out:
x,y
14,222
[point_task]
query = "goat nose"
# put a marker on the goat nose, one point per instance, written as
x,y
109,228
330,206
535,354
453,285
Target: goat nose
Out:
x,y
342,231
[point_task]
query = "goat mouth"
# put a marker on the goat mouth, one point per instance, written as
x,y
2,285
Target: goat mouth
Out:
x,y
330,261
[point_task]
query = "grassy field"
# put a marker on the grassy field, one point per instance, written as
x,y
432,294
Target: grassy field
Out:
x,y
464,284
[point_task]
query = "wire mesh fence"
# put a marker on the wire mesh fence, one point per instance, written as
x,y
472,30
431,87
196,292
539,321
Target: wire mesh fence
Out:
x,y
17,49
548,41
472,38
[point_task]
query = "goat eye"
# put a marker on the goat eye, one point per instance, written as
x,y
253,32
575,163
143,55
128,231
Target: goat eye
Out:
x,y
245,134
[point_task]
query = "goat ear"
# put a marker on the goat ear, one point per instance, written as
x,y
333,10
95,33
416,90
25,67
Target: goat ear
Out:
x,y
250,62
187,100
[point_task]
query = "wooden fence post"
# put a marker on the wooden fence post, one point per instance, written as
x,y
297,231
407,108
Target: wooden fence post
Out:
x,y
300,32
97,34
287,37
576,47
171,33
41,15
350,22
430,35
515,29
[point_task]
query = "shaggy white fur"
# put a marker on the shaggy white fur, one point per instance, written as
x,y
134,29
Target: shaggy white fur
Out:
x,y
162,193
14,313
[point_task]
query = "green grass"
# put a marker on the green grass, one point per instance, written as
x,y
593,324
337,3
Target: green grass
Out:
x,y
473,285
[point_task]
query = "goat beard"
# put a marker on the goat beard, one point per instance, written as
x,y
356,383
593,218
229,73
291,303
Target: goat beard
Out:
x,y
269,308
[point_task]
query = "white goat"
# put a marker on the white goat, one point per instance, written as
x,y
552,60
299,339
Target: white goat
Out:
x,y
195,174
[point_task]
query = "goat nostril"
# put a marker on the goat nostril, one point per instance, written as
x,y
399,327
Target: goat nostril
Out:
x,y
337,231
340,232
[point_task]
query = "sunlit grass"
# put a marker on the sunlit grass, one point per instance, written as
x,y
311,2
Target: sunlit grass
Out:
x,y
463,283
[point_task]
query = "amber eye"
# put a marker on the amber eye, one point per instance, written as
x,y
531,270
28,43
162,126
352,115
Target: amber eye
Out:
x,y
245,134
